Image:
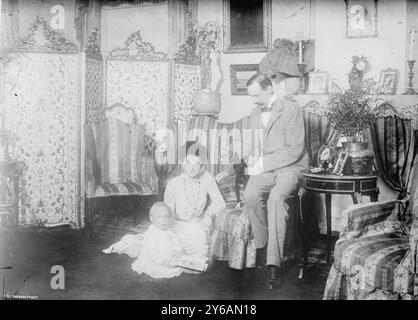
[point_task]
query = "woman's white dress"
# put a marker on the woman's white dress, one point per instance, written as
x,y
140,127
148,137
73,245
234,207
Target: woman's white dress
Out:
x,y
188,199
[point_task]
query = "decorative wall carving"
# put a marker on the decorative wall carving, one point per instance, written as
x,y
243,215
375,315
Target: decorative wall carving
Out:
x,y
137,49
42,37
42,100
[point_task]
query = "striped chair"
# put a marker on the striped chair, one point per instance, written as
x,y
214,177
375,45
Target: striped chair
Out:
x,y
376,256
116,164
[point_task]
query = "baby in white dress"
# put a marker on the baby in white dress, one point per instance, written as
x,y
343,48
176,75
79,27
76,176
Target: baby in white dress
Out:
x,y
160,247
159,253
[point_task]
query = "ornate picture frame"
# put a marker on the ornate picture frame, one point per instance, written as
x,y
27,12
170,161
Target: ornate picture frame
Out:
x,y
341,161
388,81
325,154
318,82
240,73
361,18
247,26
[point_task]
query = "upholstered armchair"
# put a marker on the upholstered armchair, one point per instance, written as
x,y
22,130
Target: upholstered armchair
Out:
x,y
116,162
376,254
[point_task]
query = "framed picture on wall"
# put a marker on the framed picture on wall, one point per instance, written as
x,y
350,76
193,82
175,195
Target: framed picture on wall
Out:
x,y
388,81
361,18
247,25
240,74
318,82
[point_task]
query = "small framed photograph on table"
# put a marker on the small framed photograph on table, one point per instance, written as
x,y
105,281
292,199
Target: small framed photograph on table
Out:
x,y
318,82
340,164
388,81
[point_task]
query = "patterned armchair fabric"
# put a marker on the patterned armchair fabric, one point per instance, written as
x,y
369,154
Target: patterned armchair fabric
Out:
x,y
376,255
115,160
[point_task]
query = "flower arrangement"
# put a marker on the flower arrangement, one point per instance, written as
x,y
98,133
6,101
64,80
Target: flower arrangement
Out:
x,y
352,111
199,45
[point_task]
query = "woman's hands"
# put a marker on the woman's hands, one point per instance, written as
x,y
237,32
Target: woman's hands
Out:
x,y
207,222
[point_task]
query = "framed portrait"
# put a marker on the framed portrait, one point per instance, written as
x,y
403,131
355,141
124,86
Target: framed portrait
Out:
x,y
361,18
325,153
318,82
240,74
388,81
247,25
341,161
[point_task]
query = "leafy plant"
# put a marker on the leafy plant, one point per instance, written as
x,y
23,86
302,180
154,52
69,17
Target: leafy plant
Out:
x,y
198,46
352,111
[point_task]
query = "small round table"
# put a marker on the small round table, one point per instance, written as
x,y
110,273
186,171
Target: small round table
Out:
x,y
356,186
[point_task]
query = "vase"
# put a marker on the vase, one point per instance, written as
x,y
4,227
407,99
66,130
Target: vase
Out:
x,y
206,101
360,157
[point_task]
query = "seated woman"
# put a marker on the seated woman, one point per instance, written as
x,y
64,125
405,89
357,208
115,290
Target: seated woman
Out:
x,y
187,196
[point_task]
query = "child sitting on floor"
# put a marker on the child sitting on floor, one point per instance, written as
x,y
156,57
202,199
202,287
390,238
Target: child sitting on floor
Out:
x,y
159,254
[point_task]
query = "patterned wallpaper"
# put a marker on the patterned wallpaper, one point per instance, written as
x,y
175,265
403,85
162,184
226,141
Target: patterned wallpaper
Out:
x,y
141,85
43,106
186,83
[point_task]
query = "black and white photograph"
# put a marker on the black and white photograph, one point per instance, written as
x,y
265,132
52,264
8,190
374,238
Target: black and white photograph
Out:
x,y
217,151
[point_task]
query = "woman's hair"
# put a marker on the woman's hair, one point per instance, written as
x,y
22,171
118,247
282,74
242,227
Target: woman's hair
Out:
x,y
156,207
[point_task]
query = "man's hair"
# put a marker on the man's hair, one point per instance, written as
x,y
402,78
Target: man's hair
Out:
x,y
156,207
262,80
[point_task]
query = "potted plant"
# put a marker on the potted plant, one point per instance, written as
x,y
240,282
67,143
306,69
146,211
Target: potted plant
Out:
x,y
203,46
352,113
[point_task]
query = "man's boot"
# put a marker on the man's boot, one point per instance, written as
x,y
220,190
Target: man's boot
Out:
x,y
274,277
261,257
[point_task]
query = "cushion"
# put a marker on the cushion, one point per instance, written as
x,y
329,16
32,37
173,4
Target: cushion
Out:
x,y
232,239
377,260
227,189
126,188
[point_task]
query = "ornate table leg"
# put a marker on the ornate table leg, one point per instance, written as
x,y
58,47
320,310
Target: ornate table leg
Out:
x,y
329,229
304,236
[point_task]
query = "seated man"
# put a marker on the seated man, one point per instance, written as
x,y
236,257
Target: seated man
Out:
x,y
276,171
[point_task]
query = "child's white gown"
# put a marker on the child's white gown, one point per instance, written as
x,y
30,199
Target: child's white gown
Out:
x,y
155,253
